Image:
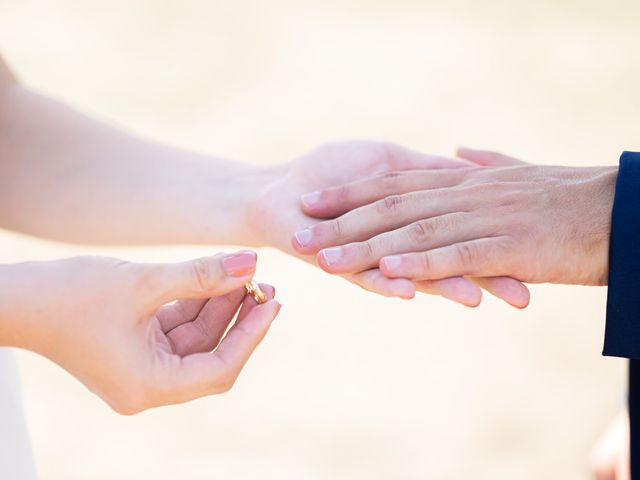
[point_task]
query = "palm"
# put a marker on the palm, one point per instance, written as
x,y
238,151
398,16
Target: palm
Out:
x,y
277,212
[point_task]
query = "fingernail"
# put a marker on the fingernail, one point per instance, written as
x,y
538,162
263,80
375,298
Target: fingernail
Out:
x,y
310,199
304,237
332,255
392,263
239,264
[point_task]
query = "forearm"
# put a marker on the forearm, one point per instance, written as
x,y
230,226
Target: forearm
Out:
x,y
18,312
67,177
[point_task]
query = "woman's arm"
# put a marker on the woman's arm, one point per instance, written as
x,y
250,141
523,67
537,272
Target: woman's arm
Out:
x,y
68,177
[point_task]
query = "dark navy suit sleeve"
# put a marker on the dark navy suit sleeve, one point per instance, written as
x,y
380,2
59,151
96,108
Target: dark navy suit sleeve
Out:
x,y
622,332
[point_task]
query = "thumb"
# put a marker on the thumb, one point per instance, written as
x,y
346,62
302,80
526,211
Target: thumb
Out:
x,y
205,277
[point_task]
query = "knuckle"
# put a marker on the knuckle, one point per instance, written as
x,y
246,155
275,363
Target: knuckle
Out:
x,y
224,383
131,402
421,231
148,278
426,263
368,249
202,273
466,254
389,204
226,386
336,227
342,193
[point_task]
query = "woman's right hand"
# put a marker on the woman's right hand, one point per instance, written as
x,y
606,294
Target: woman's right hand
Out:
x,y
110,323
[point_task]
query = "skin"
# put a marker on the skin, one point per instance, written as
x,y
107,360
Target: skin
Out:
x,y
109,323
532,223
67,177
276,212
70,178
610,459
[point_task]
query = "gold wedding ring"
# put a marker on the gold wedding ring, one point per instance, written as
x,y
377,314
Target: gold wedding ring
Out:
x,y
254,290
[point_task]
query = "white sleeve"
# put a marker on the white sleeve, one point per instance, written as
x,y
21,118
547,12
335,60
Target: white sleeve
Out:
x,y
16,460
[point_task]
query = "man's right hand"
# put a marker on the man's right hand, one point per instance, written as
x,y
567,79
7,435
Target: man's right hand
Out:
x,y
536,224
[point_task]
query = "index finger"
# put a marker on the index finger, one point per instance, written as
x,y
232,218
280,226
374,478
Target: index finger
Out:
x,y
335,201
203,374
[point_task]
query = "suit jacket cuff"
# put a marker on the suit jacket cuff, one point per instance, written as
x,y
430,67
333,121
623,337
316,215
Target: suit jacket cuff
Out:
x,y
622,331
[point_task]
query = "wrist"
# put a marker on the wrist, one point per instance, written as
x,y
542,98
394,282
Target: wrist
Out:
x,y
254,192
597,205
607,188
16,311
220,205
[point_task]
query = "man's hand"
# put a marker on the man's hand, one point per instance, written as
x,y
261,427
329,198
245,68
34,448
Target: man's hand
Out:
x,y
109,324
531,223
275,212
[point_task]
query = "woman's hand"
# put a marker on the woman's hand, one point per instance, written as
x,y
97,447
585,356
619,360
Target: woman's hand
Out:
x,y
532,223
109,323
275,212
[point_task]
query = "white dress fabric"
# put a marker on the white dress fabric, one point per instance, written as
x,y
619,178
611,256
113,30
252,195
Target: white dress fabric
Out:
x,y
16,461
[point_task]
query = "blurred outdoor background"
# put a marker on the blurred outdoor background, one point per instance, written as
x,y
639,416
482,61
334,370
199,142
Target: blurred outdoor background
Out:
x,y
347,385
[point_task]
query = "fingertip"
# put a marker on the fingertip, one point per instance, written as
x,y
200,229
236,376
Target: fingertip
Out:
x,y
269,290
408,296
460,290
472,301
389,265
401,288
311,199
239,264
313,203
273,307
302,240
328,259
520,299
471,155
510,290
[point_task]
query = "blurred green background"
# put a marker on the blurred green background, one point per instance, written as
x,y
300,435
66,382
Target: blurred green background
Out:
x,y
348,385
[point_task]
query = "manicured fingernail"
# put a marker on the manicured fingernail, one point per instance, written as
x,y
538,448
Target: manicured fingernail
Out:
x,y
304,237
332,255
239,264
392,263
310,199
